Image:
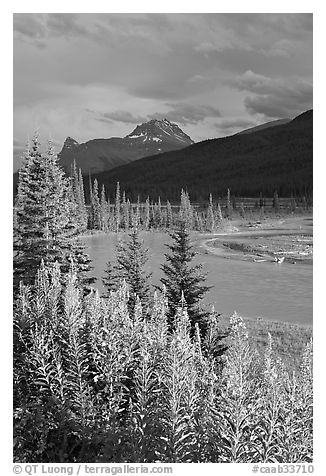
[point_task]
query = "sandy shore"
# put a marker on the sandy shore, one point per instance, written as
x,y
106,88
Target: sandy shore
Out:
x,y
288,240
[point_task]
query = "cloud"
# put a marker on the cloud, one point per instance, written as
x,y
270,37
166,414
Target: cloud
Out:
x,y
129,68
30,25
37,28
179,113
205,47
188,114
278,107
234,124
260,28
275,97
121,116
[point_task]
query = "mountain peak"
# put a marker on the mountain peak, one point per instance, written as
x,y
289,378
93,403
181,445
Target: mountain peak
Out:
x,y
160,130
98,155
70,143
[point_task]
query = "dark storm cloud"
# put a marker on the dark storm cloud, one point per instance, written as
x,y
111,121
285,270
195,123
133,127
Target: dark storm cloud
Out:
x,y
279,106
275,97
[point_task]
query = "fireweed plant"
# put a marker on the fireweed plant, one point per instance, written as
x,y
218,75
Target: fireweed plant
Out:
x,y
95,383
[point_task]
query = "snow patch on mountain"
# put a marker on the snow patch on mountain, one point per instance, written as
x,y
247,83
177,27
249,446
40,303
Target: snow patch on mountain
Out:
x,y
136,136
160,131
70,143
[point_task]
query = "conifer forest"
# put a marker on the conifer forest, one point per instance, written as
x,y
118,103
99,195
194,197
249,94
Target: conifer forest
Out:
x,y
140,373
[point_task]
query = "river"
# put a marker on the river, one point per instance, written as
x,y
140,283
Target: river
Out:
x,y
268,290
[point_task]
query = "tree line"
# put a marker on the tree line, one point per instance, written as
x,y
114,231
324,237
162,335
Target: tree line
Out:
x,y
121,214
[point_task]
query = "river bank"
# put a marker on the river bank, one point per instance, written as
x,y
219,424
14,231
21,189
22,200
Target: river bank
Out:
x,y
288,339
288,240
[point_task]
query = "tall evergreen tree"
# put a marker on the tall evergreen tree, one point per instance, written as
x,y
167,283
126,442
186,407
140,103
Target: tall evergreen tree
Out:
x,y
104,210
228,201
182,279
169,214
219,215
159,213
186,211
125,212
45,224
90,216
210,215
117,208
147,214
95,207
276,204
137,216
131,257
78,192
83,209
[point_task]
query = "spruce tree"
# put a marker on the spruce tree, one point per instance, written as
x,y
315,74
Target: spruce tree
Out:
x,y
46,222
147,214
156,216
228,201
211,215
125,212
117,208
136,223
90,217
276,204
111,278
95,207
131,257
219,215
104,211
169,215
186,212
78,191
183,279
127,215
159,213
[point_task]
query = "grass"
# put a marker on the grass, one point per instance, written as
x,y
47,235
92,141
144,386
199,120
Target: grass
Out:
x,y
289,340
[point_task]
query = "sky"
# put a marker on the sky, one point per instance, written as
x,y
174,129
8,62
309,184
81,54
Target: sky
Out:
x,y
90,75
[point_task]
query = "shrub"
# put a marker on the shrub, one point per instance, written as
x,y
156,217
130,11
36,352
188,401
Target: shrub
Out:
x,y
94,383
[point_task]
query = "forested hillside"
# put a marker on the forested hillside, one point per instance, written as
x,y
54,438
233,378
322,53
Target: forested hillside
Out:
x,y
278,158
